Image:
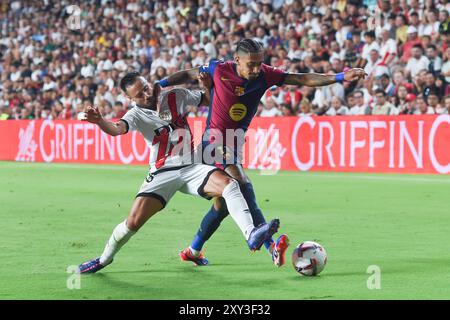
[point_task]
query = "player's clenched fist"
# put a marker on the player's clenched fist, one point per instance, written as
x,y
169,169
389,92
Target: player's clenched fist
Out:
x,y
205,80
354,74
93,115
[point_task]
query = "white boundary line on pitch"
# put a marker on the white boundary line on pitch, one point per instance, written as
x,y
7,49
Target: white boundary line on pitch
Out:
x,y
371,176
144,169
88,166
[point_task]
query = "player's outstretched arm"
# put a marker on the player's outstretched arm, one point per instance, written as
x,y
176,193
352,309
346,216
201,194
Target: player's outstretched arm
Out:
x,y
205,82
93,115
318,80
180,77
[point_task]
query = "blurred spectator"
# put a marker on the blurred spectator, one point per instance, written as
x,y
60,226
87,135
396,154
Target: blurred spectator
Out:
x,y
359,107
435,61
337,108
422,106
286,110
445,105
446,66
413,40
306,109
50,71
417,62
381,106
5,113
270,109
433,102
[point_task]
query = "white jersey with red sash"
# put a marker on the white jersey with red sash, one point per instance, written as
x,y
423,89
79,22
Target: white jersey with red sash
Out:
x,y
166,131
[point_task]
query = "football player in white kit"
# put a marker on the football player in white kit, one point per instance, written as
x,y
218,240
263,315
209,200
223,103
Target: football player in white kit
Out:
x,y
161,119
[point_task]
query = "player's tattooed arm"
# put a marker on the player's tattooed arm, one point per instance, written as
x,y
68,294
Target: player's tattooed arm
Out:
x,y
318,80
206,84
93,115
182,76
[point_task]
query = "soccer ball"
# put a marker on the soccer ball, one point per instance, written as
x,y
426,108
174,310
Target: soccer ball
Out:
x,y
309,258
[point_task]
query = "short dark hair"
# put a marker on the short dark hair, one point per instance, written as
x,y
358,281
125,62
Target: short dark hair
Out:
x,y
433,92
380,91
129,79
370,34
358,91
432,46
248,46
403,17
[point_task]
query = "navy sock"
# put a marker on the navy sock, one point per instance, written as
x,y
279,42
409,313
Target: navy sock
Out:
x,y
257,215
211,221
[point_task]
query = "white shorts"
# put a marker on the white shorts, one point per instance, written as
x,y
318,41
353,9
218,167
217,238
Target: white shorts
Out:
x,y
163,184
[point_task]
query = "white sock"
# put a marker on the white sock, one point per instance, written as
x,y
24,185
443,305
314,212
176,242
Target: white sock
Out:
x,y
119,237
238,208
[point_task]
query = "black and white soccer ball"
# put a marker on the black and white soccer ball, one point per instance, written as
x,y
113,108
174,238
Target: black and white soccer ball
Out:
x,y
309,258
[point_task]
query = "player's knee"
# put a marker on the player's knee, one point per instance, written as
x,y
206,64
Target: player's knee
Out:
x,y
133,223
231,184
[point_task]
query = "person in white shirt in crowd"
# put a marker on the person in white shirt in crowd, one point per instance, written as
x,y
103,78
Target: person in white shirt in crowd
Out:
x,y
200,58
381,106
262,37
305,108
276,94
374,64
433,102
388,49
431,25
417,62
270,109
337,108
422,107
15,73
360,106
209,47
245,15
446,104
294,51
370,44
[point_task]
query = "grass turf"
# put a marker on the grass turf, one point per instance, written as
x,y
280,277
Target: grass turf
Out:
x,y
57,215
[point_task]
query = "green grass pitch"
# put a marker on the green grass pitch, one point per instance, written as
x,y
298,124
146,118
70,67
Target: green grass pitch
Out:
x,y
57,215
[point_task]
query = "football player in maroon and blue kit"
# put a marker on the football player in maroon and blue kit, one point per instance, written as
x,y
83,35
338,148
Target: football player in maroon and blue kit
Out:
x,y
237,87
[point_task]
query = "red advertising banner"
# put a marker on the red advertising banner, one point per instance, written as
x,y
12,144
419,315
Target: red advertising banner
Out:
x,y
401,144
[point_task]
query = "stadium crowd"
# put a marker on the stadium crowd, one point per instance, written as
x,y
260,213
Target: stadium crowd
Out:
x,y
57,57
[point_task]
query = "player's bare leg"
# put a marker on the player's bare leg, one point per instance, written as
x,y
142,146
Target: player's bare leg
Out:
x,y
143,209
221,184
277,249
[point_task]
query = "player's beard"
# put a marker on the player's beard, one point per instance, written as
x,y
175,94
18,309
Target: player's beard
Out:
x,y
252,77
152,101
151,104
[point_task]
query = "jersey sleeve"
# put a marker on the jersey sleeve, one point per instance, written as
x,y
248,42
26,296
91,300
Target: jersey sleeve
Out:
x,y
186,98
209,67
193,97
130,119
273,76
